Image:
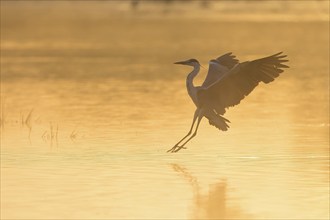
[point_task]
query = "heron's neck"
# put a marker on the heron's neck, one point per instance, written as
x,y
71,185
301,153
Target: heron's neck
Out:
x,y
190,84
191,76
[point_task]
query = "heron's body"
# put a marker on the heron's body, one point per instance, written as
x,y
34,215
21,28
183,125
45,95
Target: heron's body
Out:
x,y
214,119
225,85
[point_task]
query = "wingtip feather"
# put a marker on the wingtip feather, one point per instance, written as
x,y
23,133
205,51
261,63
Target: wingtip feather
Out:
x,y
282,65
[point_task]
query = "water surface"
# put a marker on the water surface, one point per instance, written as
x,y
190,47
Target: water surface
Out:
x,y
91,102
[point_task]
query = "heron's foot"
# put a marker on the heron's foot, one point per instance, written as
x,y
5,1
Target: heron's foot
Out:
x,y
179,148
175,149
172,149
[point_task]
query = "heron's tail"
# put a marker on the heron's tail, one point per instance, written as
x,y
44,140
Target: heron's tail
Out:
x,y
219,122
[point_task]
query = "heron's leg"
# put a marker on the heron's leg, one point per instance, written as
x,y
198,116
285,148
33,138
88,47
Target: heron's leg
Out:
x,y
191,128
200,116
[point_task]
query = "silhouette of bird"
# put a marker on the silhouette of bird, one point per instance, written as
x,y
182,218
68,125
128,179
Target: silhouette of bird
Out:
x,y
227,82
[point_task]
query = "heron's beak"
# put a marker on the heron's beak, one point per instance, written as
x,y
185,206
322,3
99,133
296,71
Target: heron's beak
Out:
x,y
181,62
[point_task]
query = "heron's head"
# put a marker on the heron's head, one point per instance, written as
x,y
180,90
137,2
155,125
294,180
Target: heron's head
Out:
x,y
190,62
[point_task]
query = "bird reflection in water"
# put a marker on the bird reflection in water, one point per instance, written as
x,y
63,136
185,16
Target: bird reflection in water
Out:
x,y
213,205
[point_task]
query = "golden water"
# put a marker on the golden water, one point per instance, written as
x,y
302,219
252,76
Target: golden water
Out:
x,y
106,103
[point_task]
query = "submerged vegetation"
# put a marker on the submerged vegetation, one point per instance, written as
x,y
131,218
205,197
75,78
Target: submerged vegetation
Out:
x,y
49,133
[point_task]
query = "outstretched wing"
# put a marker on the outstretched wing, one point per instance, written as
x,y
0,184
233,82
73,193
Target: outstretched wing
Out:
x,y
240,81
218,68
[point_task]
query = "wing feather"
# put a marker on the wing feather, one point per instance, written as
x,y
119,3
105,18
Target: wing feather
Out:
x,y
229,60
240,82
218,68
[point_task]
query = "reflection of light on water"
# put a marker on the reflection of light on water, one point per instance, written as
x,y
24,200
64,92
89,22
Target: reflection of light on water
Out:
x,y
247,157
277,157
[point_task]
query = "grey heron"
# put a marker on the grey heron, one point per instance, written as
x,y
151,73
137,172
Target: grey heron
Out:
x,y
227,82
